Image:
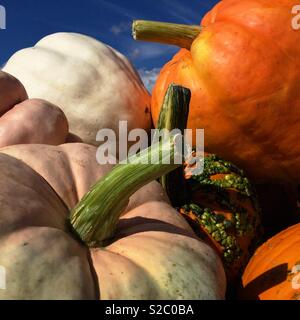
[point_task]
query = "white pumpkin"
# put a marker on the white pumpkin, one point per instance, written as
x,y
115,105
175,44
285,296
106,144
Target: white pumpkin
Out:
x,y
95,85
153,254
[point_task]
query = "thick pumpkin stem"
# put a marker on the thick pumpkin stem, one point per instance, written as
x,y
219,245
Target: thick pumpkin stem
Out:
x,y
180,35
95,217
175,109
174,116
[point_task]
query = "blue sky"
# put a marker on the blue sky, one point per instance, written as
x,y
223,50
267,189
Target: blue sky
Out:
x,y
107,20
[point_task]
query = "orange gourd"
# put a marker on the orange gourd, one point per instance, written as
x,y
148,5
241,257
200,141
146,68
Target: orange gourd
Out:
x,y
224,211
273,273
218,200
244,73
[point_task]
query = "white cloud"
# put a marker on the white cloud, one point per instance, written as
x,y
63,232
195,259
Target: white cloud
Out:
x,y
149,77
120,28
147,50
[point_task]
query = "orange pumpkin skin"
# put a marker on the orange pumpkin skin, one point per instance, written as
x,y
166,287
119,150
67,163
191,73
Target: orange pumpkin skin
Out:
x,y
273,273
244,73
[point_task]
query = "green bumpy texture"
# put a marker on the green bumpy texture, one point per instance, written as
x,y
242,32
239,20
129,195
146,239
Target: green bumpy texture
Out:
x,y
222,230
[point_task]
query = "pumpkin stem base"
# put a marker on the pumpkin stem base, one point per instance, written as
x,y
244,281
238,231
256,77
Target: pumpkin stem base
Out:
x,y
95,218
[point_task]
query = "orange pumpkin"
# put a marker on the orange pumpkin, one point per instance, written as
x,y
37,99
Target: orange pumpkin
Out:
x,y
274,271
243,69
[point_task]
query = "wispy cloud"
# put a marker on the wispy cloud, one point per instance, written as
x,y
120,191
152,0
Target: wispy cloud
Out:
x,y
149,77
119,9
146,50
124,26
180,10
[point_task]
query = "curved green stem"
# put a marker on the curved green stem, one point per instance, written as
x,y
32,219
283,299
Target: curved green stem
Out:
x,y
174,115
180,35
95,218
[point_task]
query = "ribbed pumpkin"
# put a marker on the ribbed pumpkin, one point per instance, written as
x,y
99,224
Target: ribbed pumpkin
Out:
x,y
243,69
273,273
94,85
137,248
150,252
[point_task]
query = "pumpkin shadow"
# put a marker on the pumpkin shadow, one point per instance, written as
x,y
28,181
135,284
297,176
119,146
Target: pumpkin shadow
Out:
x,y
131,226
265,281
279,207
